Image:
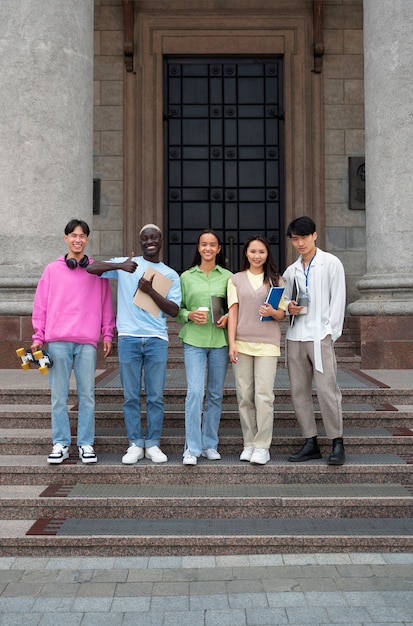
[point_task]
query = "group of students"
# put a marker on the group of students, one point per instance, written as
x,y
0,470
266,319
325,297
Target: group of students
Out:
x,y
72,308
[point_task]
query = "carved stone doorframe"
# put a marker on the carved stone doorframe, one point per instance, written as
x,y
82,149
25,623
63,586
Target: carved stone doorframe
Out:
x,y
233,33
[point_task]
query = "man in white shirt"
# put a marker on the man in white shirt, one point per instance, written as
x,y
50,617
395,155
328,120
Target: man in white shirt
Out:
x,y
315,295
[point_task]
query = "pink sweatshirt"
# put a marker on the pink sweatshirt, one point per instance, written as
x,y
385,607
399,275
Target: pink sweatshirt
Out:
x,y
72,305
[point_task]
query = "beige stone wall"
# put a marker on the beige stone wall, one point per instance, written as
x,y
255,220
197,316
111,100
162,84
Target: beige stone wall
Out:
x,y
344,133
342,76
108,127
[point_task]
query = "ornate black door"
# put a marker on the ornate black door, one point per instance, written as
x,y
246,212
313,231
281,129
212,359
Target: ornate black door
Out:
x,y
224,154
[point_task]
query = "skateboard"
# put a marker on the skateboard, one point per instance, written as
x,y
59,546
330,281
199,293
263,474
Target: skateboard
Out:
x,y
39,357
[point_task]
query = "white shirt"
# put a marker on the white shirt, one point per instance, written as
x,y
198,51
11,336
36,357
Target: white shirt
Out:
x,y
326,287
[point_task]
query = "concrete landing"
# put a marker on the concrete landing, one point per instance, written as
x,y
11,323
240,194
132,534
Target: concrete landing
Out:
x,y
349,589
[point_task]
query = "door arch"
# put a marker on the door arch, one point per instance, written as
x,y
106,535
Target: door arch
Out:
x,y
267,33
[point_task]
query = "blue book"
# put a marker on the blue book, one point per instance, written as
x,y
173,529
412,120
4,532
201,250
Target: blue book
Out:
x,y
273,298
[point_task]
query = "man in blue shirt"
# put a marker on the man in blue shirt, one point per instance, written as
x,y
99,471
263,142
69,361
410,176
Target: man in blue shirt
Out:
x,y
142,341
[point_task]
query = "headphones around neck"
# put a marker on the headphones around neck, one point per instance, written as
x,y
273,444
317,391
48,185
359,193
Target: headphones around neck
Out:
x,y
72,263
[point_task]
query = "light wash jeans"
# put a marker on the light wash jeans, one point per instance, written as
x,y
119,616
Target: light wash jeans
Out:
x,y
149,354
201,431
82,358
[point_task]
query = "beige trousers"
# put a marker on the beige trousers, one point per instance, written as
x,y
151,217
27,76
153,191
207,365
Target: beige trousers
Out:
x,y
301,371
254,381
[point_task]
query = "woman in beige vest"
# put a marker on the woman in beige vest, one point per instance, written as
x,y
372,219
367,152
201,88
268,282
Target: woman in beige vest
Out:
x,y
254,345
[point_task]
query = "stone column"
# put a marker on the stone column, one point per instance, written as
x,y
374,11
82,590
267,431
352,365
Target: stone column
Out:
x,y
46,137
386,304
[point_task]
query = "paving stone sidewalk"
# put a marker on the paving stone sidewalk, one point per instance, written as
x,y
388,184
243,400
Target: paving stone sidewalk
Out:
x,y
354,589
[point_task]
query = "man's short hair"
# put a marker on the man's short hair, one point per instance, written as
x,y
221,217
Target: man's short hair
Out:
x,y
70,227
302,226
154,226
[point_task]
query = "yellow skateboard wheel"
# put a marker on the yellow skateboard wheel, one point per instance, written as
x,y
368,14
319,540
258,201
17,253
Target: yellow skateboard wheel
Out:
x,y
44,369
20,352
26,366
38,355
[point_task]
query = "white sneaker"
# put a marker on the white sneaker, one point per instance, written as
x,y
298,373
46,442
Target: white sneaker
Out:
x,y
211,454
261,456
189,458
133,454
246,454
87,454
155,454
58,454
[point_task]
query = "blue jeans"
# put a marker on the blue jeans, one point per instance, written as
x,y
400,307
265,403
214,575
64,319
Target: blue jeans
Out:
x,y
201,431
149,354
82,358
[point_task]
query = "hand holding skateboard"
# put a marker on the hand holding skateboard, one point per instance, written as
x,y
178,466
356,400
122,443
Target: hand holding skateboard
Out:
x,y
38,357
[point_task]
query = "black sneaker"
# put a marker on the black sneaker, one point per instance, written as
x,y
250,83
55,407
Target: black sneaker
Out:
x,y
87,454
58,454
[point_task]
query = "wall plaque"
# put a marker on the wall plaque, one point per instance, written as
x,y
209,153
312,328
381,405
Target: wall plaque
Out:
x,y
357,183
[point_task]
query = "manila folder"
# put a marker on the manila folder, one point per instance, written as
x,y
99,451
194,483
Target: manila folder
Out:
x,y
160,283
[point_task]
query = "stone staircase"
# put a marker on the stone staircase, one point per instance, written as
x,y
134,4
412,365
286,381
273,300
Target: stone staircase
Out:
x,y
347,350
215,507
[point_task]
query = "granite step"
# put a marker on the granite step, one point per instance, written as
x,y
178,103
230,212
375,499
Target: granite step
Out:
x,y
344,355
347,347
225,506
379,468
110,415
216,501
356,388
176,394
180,536
343,347
285,440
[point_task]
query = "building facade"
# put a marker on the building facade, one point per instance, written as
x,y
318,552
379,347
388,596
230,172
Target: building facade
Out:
x,y
238,115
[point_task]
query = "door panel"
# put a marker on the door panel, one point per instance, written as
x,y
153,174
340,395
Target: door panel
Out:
x,y
224,154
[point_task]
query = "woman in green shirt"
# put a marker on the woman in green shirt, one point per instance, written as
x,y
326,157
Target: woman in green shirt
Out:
x,y
205,347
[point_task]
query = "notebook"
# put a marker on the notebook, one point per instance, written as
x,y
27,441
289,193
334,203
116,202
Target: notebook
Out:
x,y
273,298
219,307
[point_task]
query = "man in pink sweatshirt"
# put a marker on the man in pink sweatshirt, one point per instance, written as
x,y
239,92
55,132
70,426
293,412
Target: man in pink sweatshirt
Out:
x,y
71,310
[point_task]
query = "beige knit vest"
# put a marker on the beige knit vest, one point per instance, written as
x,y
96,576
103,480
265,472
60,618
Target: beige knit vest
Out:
x,y
249,327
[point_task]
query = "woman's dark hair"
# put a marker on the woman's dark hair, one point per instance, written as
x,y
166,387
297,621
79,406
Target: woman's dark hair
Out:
x,y
271,273
219,259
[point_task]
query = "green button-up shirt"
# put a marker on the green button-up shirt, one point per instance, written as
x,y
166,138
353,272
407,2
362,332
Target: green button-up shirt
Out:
x,y
197,289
